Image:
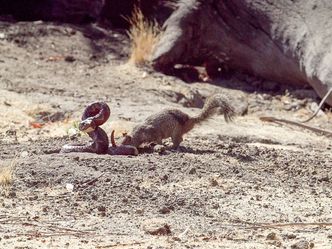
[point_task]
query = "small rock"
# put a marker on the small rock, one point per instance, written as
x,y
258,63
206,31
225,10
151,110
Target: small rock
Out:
x,y
101,209
214,183
276,243
156,227
33,198
24,154
11,132
45,209
313,107
290,236
70,58
139,211
192,171
144,75
291,106
164,178
69,187
259,197
165,210
12,194
271,236
302,244
2,36
324,179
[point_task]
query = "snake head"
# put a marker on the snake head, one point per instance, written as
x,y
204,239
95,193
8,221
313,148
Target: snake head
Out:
x,y
87,125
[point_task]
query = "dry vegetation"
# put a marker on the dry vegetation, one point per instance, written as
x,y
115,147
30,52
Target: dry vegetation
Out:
x,y
144,34
7,175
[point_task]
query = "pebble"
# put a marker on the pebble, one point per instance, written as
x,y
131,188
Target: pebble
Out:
x,y
165,210
156,227
302,244
12,194
192,171
271,236
290,236
33,198
214,183
69,187
70,58
24,154
101,209
313,107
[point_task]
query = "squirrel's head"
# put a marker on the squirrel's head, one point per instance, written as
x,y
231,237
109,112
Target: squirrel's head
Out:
x,y
126,139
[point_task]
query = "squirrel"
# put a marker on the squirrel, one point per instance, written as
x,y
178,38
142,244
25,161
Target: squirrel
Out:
x,y
175,123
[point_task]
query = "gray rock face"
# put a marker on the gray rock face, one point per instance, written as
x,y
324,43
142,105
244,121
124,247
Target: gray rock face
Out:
x,y
286,41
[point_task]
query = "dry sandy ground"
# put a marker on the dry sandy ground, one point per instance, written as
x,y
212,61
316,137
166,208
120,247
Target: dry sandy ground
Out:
x,y
246,184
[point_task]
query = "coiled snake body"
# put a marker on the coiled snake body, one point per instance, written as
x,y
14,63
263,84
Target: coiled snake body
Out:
x,y
94,115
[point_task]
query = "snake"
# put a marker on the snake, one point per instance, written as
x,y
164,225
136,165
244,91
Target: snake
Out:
x,y
95,115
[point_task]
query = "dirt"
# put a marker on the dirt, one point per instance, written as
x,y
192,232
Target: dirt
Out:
x,y
246,184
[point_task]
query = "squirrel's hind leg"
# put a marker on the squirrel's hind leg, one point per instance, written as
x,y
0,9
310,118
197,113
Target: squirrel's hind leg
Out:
x,y
176,139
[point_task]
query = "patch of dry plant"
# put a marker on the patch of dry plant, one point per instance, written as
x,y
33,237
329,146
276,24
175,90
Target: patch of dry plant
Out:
x,y
144,35
7,176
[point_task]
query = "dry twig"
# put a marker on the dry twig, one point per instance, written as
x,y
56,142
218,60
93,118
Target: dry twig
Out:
x,y
314,129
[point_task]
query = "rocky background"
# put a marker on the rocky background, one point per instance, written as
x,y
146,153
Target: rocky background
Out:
x,y
246,184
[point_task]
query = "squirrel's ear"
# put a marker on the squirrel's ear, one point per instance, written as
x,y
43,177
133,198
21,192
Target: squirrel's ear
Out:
x,y
124,134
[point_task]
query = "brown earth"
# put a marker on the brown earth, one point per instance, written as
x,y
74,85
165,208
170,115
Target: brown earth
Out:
x,y
246,184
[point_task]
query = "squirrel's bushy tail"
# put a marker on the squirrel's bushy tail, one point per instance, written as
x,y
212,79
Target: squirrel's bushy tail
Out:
x,y
216,103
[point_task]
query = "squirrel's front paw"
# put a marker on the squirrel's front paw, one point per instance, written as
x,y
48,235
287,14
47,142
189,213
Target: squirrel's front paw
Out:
x,y
159,148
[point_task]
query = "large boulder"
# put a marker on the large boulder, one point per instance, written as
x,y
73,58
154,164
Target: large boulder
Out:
x,y
289,41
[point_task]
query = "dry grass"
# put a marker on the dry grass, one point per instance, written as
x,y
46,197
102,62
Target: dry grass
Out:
x,y
144,35
7,175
